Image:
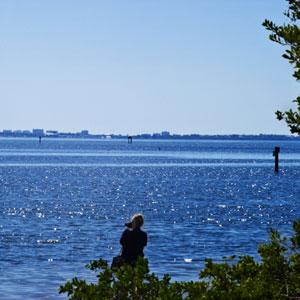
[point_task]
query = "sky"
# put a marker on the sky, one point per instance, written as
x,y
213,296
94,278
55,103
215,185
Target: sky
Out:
x,y
143,66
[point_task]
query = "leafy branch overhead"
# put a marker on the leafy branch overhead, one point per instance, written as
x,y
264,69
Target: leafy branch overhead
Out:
x,y
289,35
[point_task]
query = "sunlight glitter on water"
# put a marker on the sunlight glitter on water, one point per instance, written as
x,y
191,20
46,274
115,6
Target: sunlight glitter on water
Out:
x,y
58,215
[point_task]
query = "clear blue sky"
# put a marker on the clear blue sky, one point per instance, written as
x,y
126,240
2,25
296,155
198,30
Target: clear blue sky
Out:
x,y
135,66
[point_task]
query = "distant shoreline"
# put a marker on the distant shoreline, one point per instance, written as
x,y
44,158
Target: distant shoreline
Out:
x,y
235,137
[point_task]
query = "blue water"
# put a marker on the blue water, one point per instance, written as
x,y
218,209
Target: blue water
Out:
x,y
64,202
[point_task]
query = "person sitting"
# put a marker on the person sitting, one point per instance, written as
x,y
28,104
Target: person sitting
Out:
x,y
133,240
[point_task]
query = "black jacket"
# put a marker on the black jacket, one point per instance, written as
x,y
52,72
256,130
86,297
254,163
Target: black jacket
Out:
x,y
133,242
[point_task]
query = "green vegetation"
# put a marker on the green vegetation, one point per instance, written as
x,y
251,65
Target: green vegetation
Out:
x,y
289,35
276,276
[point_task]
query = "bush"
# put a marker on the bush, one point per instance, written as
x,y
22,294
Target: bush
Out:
x,y
276,276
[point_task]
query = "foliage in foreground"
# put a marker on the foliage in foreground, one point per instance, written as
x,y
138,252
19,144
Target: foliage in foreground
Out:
x,y
276,276
289,35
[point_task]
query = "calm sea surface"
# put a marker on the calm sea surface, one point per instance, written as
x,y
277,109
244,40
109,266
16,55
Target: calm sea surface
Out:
x,y
64,202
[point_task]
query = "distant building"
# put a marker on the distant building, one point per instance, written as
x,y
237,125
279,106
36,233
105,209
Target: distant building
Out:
x,y
17,133
7,131
84,132
52,132
165,133
38,132
156,134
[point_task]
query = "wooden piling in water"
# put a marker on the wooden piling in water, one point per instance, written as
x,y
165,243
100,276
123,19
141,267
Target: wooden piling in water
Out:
x,y
275,153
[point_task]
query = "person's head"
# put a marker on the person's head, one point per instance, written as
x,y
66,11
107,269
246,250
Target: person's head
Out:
x,y
137,221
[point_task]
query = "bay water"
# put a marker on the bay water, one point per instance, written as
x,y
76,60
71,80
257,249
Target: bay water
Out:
x,y
64,202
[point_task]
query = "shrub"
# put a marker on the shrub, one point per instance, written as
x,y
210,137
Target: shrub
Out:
x,y
276,276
